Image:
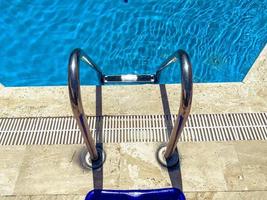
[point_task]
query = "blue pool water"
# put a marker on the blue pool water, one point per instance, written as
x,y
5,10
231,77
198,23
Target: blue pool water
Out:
x,y
223,38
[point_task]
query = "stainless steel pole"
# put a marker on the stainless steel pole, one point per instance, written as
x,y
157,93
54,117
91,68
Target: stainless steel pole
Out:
x,y
185,102
76,102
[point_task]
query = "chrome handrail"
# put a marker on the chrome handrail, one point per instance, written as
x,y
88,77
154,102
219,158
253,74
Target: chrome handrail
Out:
x,y
77,108
75,98
186,98
165,64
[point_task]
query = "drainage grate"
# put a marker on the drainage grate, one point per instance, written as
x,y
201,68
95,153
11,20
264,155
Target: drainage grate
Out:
x,y
145,128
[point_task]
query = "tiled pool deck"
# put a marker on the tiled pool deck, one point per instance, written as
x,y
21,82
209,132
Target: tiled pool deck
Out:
x,y
209,170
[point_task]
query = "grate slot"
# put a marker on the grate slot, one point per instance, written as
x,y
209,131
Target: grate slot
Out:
x,y
146,128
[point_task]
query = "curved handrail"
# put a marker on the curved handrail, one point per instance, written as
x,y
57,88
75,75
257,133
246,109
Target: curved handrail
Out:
x,y
165,64
77,108
75,98
186,97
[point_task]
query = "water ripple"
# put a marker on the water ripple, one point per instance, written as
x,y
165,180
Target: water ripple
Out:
x,y
223,38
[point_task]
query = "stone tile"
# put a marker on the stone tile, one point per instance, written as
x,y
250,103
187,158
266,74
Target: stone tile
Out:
x,y
190,195
259,195
44,197
10,162
253,161
208,168
246,195
201,167
200,196
251,152
139,168
224,166
58,197
56,170
34,101
145,99
231,167
15,198
212,166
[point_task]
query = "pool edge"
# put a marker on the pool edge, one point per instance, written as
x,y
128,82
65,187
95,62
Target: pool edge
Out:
x,y
246,96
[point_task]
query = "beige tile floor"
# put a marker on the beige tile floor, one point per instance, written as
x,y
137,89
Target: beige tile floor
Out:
x,y
210,170
258,195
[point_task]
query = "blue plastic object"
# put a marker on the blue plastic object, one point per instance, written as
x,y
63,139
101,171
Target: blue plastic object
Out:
x,y
157,194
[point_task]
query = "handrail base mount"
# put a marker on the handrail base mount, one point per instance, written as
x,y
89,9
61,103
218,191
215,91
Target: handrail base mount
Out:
x,y
171,162
88,163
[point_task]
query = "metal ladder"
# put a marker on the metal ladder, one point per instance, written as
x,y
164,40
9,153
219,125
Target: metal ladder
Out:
x,y
95,156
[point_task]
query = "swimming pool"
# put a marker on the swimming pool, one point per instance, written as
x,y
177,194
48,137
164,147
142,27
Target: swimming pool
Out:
x,y
223,38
